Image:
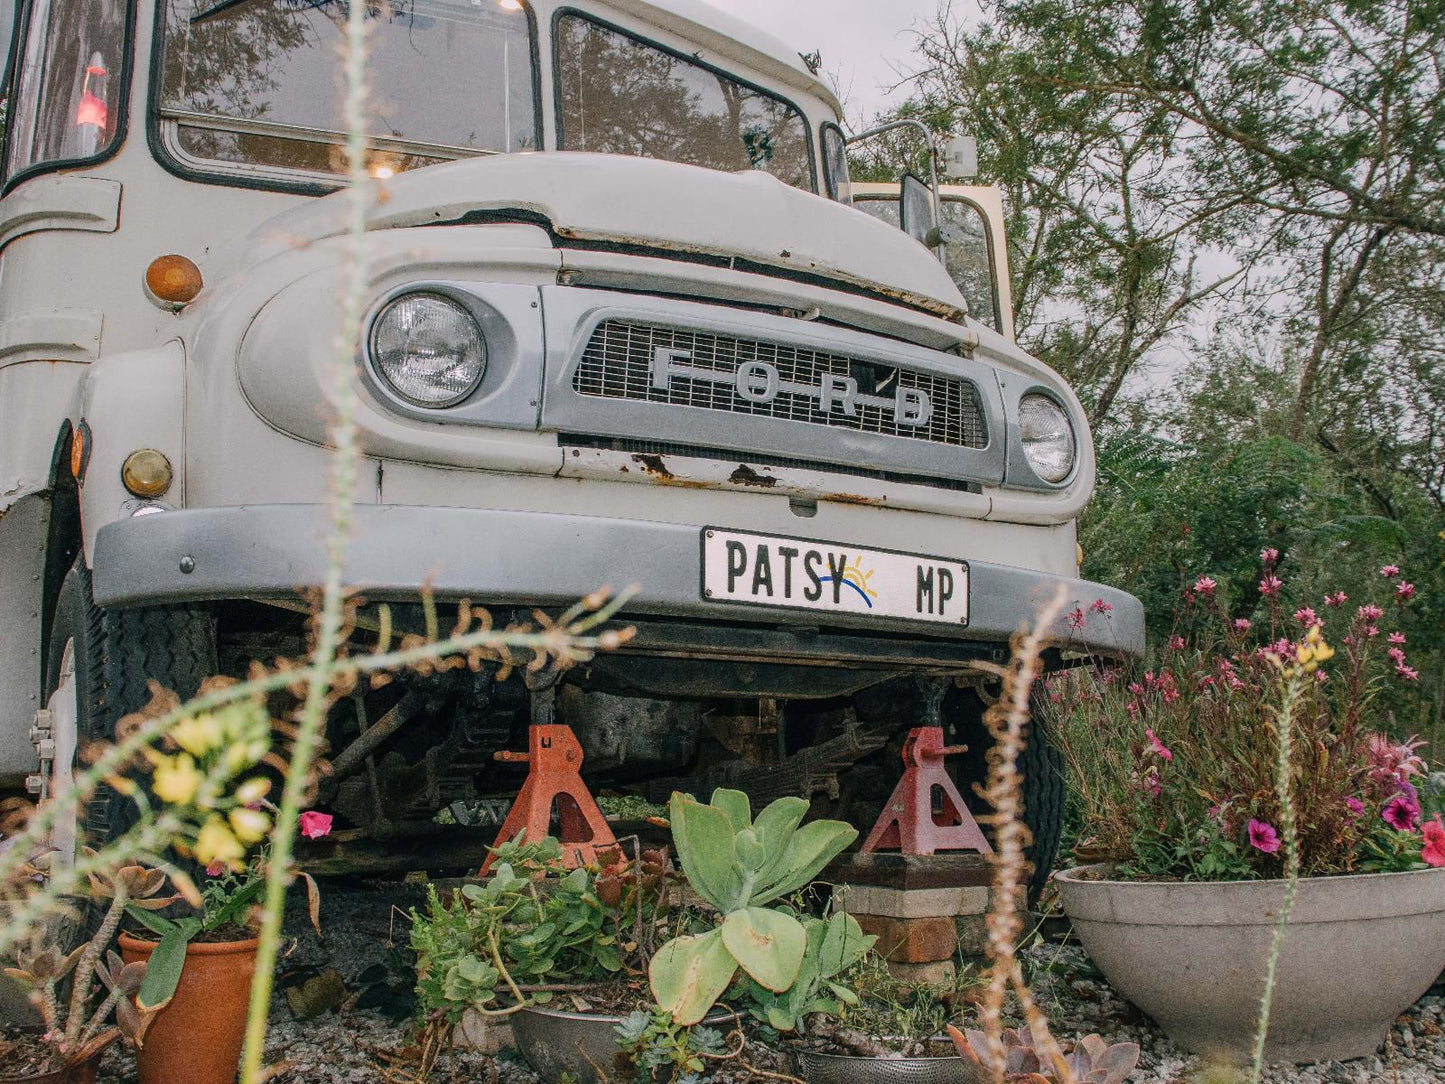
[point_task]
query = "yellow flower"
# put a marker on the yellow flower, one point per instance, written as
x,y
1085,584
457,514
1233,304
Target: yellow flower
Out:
x,y
253,790
198,735
250,825
176,779
216,843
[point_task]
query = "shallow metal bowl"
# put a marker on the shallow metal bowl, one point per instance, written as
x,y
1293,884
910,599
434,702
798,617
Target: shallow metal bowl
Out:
x,y
818,1068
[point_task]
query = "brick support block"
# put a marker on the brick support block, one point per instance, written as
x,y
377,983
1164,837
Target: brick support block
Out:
x,y
938,973
913,902
912,940
972,934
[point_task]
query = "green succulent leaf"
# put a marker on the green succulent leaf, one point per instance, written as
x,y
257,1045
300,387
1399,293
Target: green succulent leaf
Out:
x,y
844,944
689,974
779,1018
163,971
768,945
774,828
813,847
751,854
736,805
703,836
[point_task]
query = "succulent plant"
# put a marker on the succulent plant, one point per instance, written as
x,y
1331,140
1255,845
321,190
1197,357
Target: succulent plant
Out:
x,y
739,865
1092,1061
834,945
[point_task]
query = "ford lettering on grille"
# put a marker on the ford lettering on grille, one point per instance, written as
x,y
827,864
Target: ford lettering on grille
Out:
x,y
625,360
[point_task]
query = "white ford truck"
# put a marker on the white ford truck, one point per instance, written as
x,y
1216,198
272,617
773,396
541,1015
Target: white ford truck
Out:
x,y
624,326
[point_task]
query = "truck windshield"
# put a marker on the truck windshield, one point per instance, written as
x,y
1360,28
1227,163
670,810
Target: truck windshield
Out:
x,y
256,84
618,94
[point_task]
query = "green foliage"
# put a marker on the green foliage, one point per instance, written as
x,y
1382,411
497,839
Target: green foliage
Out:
x,y
834,946
740,866
662,1049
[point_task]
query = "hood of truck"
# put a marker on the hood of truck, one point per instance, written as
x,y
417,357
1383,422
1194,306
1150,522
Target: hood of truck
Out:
x,y
642,204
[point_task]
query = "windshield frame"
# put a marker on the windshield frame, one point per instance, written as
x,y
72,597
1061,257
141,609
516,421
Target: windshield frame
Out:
x,y
274,179
809,136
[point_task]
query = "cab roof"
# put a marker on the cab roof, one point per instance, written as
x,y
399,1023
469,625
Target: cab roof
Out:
x,y
734,38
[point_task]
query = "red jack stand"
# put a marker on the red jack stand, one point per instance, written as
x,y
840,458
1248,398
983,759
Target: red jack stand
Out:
x,y
908,823
554,778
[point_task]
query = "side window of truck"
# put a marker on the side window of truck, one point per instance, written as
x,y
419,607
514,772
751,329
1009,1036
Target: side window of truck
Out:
x,y
969,259
67,98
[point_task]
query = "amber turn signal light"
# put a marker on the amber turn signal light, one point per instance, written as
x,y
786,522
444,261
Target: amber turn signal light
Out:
x,y
173,280
146,473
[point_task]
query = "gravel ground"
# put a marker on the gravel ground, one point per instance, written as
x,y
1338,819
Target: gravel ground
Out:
x,y
366,931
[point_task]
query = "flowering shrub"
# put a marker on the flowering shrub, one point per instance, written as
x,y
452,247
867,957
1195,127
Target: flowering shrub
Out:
x,y
1172,768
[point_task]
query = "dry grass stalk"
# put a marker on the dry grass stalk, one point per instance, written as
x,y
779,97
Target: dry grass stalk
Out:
x,y
1008,723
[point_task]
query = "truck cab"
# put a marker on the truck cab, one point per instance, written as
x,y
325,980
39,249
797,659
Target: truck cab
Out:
x,y
627,323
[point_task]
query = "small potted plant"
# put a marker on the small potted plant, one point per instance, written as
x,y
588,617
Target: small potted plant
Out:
x,y
79,1032
1175,773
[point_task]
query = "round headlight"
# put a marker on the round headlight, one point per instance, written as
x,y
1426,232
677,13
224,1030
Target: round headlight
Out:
x,y
1048,437
428,349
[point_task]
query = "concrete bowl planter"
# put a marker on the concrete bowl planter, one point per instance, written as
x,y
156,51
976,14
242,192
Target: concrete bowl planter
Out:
x,y
1358,951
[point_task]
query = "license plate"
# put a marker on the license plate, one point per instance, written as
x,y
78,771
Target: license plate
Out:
x,y
805,574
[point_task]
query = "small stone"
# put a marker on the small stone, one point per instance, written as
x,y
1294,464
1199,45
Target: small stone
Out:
x,y
317,995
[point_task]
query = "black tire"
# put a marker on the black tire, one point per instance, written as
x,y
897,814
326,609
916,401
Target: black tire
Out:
x,y
1040,765
117,653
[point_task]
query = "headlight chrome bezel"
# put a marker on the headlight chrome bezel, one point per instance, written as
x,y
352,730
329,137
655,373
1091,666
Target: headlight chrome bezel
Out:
x,y
459,307
1050,478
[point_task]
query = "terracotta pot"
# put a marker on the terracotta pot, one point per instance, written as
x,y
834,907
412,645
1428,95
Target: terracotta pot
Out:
x,y
197,1038
79,1073
1358,951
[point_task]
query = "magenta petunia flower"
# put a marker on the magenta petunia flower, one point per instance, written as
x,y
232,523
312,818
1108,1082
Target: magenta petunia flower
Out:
x,y
314,825
1390,571
1401,814
1158,746
1270,585
1355,806
1263,837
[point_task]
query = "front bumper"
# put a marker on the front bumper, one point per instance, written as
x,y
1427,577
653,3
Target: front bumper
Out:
x,y
500,558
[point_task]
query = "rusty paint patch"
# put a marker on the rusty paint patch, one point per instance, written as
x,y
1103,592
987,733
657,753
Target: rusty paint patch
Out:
x,y
746,476
853,498
653,464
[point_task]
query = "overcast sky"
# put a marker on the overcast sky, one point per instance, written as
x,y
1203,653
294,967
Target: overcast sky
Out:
x,y
862,41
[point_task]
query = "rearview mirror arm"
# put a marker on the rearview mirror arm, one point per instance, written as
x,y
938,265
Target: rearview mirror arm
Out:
x,y
923,130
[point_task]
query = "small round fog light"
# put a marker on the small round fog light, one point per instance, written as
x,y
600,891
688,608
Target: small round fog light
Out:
x,y
146,473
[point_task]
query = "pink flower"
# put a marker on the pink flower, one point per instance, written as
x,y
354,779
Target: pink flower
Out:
x,y
1241,624
1390,571
1407,673
1151,782
215,869
1401,813
1371,632
1158,746
1263,837
1269,556
1270,585
1204,586
1355,806
1433,853
1394,763
1176,643
1397,655
314,825
1397,637
1370,612
1339,598
1306,616
1404,592
1076,618
1101,607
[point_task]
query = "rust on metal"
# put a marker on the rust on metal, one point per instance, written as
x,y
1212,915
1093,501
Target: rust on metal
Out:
x,y
746,476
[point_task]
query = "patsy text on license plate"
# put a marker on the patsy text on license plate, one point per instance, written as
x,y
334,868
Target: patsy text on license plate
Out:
x,y
805,574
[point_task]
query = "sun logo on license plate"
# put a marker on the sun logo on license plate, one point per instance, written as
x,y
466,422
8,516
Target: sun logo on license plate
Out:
x,y
855,577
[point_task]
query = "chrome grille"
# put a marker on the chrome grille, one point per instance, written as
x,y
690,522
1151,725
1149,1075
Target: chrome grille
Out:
x,y
619,358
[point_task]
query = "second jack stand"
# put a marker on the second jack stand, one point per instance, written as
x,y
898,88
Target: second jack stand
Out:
x,y
554,780
908,823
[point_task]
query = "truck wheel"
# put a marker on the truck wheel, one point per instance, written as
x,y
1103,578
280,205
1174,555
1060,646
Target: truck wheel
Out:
x,y
1043,779
98,664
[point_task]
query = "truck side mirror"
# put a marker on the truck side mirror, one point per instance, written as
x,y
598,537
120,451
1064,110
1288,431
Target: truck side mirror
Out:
x,y
915,209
